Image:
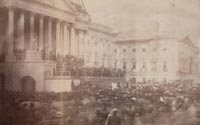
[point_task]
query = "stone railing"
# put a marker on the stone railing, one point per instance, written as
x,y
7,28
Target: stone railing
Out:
x,y
70,74
20,56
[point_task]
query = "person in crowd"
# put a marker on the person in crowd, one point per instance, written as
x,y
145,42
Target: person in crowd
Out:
x,y
163,98
98,119
104,113
197,114
131,114
113,118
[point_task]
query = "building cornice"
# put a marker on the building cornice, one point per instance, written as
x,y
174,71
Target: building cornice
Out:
x,y
102,29
40,8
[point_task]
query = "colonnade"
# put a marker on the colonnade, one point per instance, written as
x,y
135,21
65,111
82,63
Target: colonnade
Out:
x,y
44,33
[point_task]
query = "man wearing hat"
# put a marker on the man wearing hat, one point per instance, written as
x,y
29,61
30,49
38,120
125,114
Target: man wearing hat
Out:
x,y
113,118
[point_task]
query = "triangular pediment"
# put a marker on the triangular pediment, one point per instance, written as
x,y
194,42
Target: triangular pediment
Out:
x,y
63,5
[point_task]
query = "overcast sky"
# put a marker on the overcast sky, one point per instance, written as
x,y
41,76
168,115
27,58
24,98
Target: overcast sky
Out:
x,y
149,18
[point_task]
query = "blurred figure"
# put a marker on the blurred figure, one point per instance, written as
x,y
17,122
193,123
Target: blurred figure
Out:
x,y
98,119
113,118
132,114
104,113
197,114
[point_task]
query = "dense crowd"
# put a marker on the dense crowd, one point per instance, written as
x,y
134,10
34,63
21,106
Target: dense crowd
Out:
x,y
72,66
89,104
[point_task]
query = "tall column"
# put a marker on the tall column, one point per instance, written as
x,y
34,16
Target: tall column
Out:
x,y
58,38
49,36
73,40
10,32
41,33
32,31
66,41
84,41
20,32
78,32
61,40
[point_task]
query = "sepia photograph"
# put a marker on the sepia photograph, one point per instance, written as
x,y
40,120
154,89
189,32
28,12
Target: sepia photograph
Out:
x,y
99,62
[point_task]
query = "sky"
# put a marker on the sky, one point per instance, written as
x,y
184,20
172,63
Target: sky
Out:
x,y
148,18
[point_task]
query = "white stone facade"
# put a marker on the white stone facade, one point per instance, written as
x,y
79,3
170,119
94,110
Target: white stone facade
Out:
x,y
157,60
33,32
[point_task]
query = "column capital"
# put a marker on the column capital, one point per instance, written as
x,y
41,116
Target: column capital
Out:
x,y
66,23
10,7
32,14
78,31
22,14
85,31
72,25
57,21
49,20
41,16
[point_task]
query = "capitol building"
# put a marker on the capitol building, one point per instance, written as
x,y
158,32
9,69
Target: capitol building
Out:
x,y
35,32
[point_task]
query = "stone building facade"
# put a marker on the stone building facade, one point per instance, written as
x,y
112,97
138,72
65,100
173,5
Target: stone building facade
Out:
x,y
32,32
157,60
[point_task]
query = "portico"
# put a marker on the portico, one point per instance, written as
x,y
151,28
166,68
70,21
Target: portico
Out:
x,y
41,31
32,32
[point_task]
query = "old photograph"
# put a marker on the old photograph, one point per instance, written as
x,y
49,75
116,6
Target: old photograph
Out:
x,y
99,62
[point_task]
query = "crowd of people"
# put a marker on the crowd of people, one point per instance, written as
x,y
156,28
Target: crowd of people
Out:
x,y
72,66
89,104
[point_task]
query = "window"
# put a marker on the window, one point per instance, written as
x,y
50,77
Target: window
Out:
x,y
144,50
115,50
165,66
134,66
103,61
115,64
144,67
95,57
95,63
154,66
124,50
144,80
133,80
164,49
124,66
134,50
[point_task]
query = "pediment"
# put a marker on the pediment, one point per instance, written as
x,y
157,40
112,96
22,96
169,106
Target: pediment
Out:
x,y
63,5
